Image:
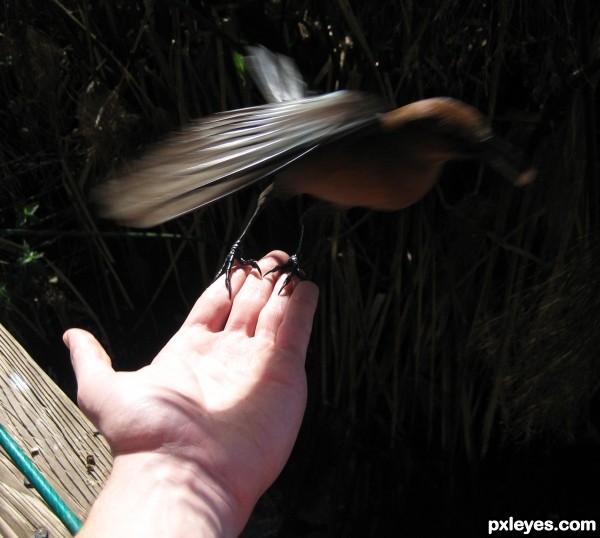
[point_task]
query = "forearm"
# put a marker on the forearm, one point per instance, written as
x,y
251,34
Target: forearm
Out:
x,y
151,495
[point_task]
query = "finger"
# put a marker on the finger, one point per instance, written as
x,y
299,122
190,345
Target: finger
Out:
x,y
296,326
91,364
213,307
253,296
272,314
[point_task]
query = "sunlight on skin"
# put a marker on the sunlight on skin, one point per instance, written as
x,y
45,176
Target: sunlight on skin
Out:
x,y
219,407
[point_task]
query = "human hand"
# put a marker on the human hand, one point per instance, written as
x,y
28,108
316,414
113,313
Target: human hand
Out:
x,y
219,407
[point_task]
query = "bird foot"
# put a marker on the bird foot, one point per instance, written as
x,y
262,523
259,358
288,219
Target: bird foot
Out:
x,y
292,267
235,255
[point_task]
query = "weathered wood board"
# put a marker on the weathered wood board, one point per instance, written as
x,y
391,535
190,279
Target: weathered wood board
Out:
x,y
57,437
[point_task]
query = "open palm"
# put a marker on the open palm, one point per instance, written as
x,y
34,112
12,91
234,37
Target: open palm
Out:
x,y
227,393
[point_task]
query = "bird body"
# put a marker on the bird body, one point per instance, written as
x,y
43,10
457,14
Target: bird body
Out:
x,y
394,165
344,148
218,155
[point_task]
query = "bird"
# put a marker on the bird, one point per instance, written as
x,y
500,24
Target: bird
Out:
x,y
345,148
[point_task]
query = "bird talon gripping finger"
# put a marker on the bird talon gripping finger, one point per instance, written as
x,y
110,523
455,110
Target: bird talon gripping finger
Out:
x,y
291,267
342,147
234,255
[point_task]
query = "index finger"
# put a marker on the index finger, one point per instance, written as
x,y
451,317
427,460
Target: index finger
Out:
x,y
214,305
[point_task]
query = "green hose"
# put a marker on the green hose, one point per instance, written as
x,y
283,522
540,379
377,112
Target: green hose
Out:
x,y
48,493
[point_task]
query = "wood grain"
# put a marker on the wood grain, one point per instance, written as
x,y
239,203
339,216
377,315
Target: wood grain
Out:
x,y
54,433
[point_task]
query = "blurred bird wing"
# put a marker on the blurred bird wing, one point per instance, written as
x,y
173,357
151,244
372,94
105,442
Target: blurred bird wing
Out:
x,y
220,154
276,75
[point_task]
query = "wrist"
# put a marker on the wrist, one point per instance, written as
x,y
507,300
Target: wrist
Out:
x,y
154,494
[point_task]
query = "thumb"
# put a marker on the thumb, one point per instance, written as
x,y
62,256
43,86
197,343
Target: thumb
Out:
x,y
92,367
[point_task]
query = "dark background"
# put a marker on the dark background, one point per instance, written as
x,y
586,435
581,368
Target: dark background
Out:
x,y
453,369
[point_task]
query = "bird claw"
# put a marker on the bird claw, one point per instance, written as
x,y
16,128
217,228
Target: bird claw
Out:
x,y
233,256
292,267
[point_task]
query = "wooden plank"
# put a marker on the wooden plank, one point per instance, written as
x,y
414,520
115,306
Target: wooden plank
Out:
x,y
54,433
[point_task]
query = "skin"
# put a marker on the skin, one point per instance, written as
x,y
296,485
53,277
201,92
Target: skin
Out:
x,y
200,433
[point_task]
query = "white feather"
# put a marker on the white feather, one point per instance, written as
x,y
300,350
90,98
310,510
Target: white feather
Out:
x,y
221,154
276,76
